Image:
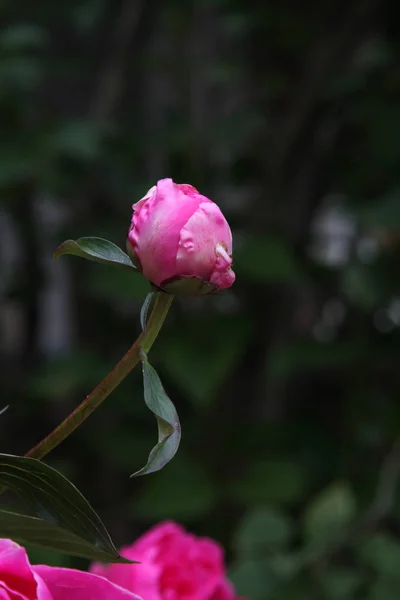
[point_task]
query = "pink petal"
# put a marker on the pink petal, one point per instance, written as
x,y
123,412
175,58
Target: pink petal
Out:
x,y
140,578
156,226
222,276
70,584
15,571
158,534
197,254
223,591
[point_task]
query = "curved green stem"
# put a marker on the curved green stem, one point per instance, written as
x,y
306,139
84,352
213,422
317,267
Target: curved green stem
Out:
x,y
109,383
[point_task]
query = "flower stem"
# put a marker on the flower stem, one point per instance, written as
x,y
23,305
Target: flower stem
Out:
x,y
104,388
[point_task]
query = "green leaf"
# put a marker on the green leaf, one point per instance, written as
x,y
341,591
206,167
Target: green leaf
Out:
x,y
330,513
364,287
22,37
340,583
42,555
254,579
31,530
382,552
383,589
169,429
261,531
55,500
95,249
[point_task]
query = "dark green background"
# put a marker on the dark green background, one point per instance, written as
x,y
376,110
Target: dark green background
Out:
x,y
287,114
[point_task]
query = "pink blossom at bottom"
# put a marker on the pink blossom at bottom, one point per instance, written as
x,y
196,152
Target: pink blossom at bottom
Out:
x,y
19,580
174,565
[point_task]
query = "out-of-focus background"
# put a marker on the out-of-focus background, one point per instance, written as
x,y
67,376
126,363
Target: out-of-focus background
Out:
x,y
287,114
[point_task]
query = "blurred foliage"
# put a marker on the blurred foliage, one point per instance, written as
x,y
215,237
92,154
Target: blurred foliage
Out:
x,y
287,386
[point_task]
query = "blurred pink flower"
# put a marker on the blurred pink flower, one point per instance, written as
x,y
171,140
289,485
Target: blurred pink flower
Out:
x,y
19,580
175,565
180,240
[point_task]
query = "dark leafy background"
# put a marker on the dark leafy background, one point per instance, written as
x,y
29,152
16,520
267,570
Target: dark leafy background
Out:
x,y
288,115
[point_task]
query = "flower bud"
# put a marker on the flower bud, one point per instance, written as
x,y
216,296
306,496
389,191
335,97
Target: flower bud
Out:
x,y
180,240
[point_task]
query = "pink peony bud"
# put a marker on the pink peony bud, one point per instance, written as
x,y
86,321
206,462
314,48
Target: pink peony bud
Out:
x,y
180,240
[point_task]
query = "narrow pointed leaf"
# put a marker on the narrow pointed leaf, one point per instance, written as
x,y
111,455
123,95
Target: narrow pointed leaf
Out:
x,y
55,499
145,309
96,249
169,429
31,530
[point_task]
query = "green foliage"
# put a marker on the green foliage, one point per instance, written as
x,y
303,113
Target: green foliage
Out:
x,y
67,521
47,556
169,428
263,530
254,578
340,583
21,37
95,249
382,552
30,530
329,514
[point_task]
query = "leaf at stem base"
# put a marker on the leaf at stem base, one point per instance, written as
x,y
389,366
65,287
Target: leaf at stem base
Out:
x,y
95,249
169,429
